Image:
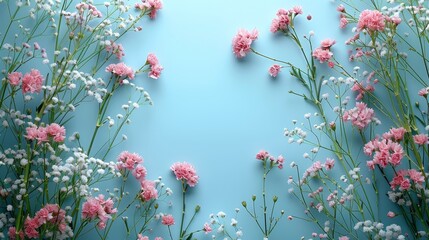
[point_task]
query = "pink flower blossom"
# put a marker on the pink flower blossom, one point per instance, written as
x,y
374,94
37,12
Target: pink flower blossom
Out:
x,y
323,55
207,229
343,22
127,160
329,164
424,92
341,8
12,233
168,220
327,44
148,190
343,238
360,116
14,78
121,70
141,237
242,41
32,82
116,49
371,20
152,59
185,171
416,176
297,10
98,208
155,67
262,155
398,133
281,22
155,71
274,70
56,131
391,214
280,161
421,139
155,6
140,172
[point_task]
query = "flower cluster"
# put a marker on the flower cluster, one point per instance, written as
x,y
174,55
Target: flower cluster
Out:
x,y
185,172
266,157
43,134
323,53
155,67
50,215
98,208
360,116
284,19
121,70
241,44
386,150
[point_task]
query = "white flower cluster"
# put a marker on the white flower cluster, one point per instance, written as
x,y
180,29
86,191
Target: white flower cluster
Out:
x,y
378,231
218,222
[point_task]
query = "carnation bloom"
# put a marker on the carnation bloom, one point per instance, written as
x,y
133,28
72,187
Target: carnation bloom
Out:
x,y
14,78
421,139
50,214
360,116
140,172
282,21
116,49
371,20
141,237
242,41
327,43
153,5
185,172
168,220
148,190
42,134
121,70
323,55
32,82
274,70
98,208
155,67
127,160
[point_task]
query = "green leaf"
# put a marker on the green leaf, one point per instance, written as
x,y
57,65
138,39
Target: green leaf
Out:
x,y
190,236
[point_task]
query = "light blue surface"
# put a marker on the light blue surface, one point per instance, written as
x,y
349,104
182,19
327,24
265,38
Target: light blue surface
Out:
x,y
217,112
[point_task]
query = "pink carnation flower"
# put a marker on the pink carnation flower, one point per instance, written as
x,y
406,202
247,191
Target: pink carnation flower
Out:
x,y
56,131
168,220
153,5
32,82
121,70
274,70
185,172
327,43
141,237
14,78
323,55
424,92
148,190
371,20
343,22
140,172
98,208
360,116
262,155
127,160
242,41
281,22
329,164
116,49
421,139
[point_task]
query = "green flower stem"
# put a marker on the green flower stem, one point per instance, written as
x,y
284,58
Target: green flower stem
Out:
x,y
184,188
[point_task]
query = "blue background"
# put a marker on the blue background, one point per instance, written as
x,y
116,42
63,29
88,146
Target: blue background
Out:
x,y
215,111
